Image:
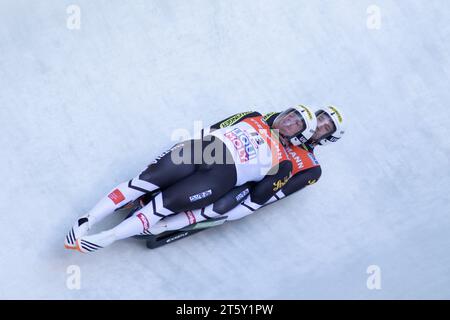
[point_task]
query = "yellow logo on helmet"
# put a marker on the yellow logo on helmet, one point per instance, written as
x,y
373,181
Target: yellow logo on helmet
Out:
x,y
337,113
307,111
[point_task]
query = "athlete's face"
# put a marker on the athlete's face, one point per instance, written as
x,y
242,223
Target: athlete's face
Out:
x,y
325,127
291,124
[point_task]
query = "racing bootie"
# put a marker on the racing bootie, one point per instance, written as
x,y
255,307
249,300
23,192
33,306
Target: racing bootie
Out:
x,y
92,243
80,229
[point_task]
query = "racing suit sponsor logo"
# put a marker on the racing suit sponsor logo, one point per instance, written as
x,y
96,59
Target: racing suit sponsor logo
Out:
x,y
333,139
241,142
200,195
280,183
258,122
116,196
191,217
176,237
233,119
294,156
313,158
256,139
274,143
144,221
242,195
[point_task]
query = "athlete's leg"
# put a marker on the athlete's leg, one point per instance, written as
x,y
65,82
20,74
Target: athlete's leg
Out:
x,y
138,224
212,179
148,221
204,184
221,207
117,198
128,228
194,192
164,170
173,165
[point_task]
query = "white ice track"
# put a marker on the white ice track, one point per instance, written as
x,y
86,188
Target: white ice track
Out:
x,y
81,111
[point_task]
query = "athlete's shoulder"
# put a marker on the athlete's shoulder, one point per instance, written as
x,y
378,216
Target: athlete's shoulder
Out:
x,y
315,170
314,164
312,174
269,118
316,173
238,117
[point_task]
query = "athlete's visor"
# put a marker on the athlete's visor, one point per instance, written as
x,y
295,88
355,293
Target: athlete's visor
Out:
x,y
290,123
325,126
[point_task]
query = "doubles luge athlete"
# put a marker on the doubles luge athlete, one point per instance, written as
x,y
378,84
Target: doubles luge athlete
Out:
x,y
237,166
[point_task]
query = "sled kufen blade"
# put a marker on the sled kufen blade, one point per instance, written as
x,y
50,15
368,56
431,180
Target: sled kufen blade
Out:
x,y
168,237
164,238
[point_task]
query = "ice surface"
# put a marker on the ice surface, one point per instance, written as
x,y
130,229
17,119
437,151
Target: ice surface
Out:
x,y
83,110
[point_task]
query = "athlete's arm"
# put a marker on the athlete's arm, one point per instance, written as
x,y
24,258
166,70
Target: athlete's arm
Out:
x,y
272,183
236,118
269,118
294,184
238,204
262,192
257,192
301,180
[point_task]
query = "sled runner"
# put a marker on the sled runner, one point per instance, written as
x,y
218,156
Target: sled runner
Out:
x,y
156,241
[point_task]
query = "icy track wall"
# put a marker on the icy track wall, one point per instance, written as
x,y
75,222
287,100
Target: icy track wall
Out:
x,y
86,106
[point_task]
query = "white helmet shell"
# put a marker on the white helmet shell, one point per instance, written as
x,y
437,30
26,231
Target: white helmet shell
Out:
x,y
309,119
338,121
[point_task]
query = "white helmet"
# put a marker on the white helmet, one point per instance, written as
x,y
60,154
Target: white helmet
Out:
x,y
296,124
335,117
